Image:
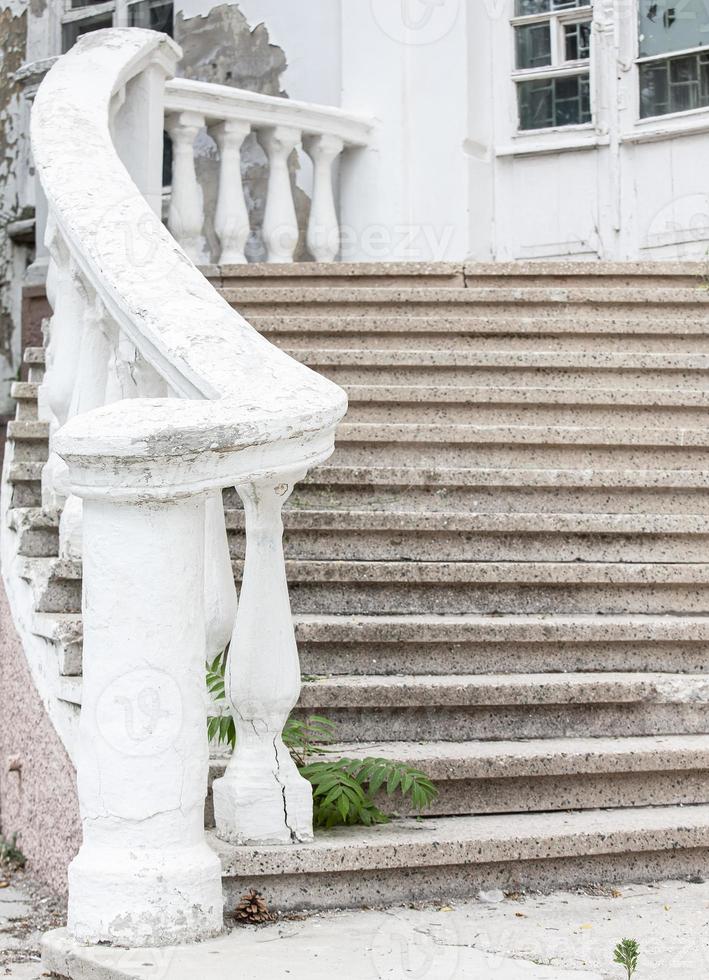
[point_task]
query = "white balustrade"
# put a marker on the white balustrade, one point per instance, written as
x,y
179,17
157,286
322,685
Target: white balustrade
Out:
x,y
280,125
160,396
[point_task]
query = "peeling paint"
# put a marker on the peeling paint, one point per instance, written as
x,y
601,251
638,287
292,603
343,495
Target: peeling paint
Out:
x,y
221,47
13,31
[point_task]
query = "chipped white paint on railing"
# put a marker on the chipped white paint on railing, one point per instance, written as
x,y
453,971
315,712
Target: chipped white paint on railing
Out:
x,y
280,125
161,396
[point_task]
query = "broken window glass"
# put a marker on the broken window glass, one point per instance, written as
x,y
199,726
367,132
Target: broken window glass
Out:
x,y
672,25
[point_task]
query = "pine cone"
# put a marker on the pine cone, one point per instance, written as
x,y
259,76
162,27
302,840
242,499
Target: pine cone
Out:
x,y
252,908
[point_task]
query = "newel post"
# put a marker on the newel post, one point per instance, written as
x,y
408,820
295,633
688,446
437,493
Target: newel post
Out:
x,y
262,798
144,875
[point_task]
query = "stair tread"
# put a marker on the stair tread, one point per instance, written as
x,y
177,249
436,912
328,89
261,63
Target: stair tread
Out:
x,y
504,689
553,295
442,520
554,395
474,840
536,757
580,360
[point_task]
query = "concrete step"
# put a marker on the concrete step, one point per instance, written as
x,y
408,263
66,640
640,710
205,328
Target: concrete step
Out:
x,y
597,301
502,369
65,633
498,707
469,644
24,477
430,447
446,332
25,395
669,274
407,587
37,530
330,534
338,485
448,858
507,587
541,774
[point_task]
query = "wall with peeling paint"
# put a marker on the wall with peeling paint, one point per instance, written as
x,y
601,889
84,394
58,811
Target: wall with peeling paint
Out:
x,y
14,172
221,46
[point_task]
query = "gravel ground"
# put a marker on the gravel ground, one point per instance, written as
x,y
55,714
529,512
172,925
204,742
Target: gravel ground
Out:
x,y
27,909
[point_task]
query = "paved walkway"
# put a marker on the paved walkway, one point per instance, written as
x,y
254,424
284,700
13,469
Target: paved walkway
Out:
x,y
558,937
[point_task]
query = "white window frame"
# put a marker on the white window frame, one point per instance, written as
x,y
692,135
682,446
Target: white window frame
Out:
x,y
559,68
119,9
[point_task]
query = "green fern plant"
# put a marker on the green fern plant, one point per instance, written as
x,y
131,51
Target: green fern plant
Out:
x,y
344,790
626,954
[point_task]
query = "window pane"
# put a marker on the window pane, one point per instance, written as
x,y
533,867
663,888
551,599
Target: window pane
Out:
x,y
549,102
74,29
577,41
569,4
155,14
674,85
525,7
533,45
672,25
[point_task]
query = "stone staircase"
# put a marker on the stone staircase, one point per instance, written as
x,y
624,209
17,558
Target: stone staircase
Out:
x,y
502,575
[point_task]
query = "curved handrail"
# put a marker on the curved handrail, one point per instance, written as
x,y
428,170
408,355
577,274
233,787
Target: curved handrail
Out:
x,y
260,409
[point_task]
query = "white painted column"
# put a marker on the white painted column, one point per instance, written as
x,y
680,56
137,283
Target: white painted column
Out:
x,y
262,798
185,216
144,875
231,221
323,228
280,223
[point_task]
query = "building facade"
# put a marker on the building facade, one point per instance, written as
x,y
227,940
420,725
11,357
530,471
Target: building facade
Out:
x,y
505,129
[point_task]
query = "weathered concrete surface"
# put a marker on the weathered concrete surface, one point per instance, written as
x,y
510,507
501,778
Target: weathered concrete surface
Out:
x,y
221,47
37,783
13,32
519,937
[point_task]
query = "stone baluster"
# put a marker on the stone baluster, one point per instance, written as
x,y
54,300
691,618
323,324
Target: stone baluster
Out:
x,y
89,393
323,236
68,300
144,875
219,589
185,216
280,223
262,798
231,220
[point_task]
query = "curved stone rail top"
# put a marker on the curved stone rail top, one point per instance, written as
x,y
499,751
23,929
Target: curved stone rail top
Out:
x,y
260,409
